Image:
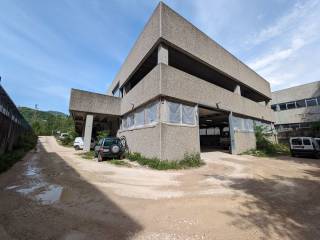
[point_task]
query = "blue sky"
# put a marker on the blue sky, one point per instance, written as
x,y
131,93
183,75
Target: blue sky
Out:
x,y
48,47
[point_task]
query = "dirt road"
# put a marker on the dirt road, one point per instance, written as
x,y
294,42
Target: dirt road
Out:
x,y
55,194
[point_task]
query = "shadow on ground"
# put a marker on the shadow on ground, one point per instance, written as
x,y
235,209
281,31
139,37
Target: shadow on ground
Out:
x,y
83,212
281,207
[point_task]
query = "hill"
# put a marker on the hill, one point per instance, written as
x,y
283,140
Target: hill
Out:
x,y
47,122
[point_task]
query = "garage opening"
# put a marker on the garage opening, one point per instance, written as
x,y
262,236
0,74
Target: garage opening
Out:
x,y
214,130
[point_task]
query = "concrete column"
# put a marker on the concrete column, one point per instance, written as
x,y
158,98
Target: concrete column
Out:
x,y
88,133
231,131
163,54
237,90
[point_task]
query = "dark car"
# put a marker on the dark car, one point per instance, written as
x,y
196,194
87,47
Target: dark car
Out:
x,y
110,147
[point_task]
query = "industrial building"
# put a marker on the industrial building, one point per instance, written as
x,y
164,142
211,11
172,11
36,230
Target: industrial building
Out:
x,y
177,92
296,107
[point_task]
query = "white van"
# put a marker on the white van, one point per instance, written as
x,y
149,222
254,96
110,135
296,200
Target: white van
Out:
x,y
79,143
305,146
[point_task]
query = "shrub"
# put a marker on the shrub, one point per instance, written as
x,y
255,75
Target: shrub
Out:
x,y
265,147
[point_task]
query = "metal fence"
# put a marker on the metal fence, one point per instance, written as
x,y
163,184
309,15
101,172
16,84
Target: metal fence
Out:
x,y
12,123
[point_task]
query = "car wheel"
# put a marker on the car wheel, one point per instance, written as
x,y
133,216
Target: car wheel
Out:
x,y
77,148
100,158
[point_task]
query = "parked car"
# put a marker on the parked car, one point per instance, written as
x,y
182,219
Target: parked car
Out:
x,y
63,136
79,143
305,146
110,147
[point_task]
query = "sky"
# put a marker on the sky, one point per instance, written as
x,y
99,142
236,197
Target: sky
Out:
x,y
49,47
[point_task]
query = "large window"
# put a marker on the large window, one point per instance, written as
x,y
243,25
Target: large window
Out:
x,y
179,113
301,103
311,102
141,117
242,124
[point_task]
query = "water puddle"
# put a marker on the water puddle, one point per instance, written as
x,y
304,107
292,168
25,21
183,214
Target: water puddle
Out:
x,y
37,188
51,195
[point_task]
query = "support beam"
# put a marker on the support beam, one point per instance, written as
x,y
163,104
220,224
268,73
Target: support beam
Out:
x,y
237,90
88,133
231,132
163,54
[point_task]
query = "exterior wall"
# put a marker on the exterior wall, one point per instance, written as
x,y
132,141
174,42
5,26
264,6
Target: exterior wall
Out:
x,y
178,31
181,85
296,93
167,25
298,115
144,140
148,88
178,140
146,41
243,141
83,101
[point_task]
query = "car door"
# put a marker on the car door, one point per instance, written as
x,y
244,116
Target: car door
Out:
x,y
307,144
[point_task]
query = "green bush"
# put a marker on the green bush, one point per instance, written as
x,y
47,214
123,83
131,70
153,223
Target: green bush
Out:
x,y
265,147
87,155
189,161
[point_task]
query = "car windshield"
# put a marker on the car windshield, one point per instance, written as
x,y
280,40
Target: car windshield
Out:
x,y
109,142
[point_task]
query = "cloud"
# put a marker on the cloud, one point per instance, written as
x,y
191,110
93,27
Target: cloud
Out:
x,y
290,47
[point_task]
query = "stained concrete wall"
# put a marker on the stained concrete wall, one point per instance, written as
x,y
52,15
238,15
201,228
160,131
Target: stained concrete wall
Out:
x,y
144,140
244,141
308,90
178,140
181,85
167,25
84,101
297,115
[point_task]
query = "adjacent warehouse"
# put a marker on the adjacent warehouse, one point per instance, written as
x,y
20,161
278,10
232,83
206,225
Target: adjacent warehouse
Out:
x,y
297,108
12,123
178,91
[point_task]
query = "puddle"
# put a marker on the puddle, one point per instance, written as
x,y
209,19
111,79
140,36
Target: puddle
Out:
x,y
36,187
31,171
12,187
51,195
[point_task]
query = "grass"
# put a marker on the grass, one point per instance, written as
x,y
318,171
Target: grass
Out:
x,y
87,155
189,161
273,150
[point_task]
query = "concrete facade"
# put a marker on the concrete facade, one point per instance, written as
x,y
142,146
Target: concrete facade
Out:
x,y
297,107
172,71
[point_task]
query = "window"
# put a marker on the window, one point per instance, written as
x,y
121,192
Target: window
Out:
x,y
116,91
130,121
216,131
318,99
203,131
296,141
139,117
301,103
311,102
283,106
188,115
180,113
291,105
306,142
210,131
174,112
274,107
152,113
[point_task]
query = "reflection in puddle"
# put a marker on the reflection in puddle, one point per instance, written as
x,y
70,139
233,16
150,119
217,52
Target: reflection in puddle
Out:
x,y
37,188
51,195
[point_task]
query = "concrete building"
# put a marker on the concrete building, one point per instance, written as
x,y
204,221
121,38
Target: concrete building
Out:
x,y
178,91
296,107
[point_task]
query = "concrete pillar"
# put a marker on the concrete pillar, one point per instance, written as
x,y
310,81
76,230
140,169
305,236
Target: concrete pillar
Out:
x,y
163,54
88,133
231,132
237,90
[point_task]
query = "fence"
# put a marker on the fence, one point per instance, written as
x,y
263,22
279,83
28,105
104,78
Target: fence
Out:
x,y
12,123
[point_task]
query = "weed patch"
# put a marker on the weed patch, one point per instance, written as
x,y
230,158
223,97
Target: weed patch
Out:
x,y
189,161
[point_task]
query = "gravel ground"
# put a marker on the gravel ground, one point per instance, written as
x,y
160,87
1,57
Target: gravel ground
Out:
x,y
55,194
